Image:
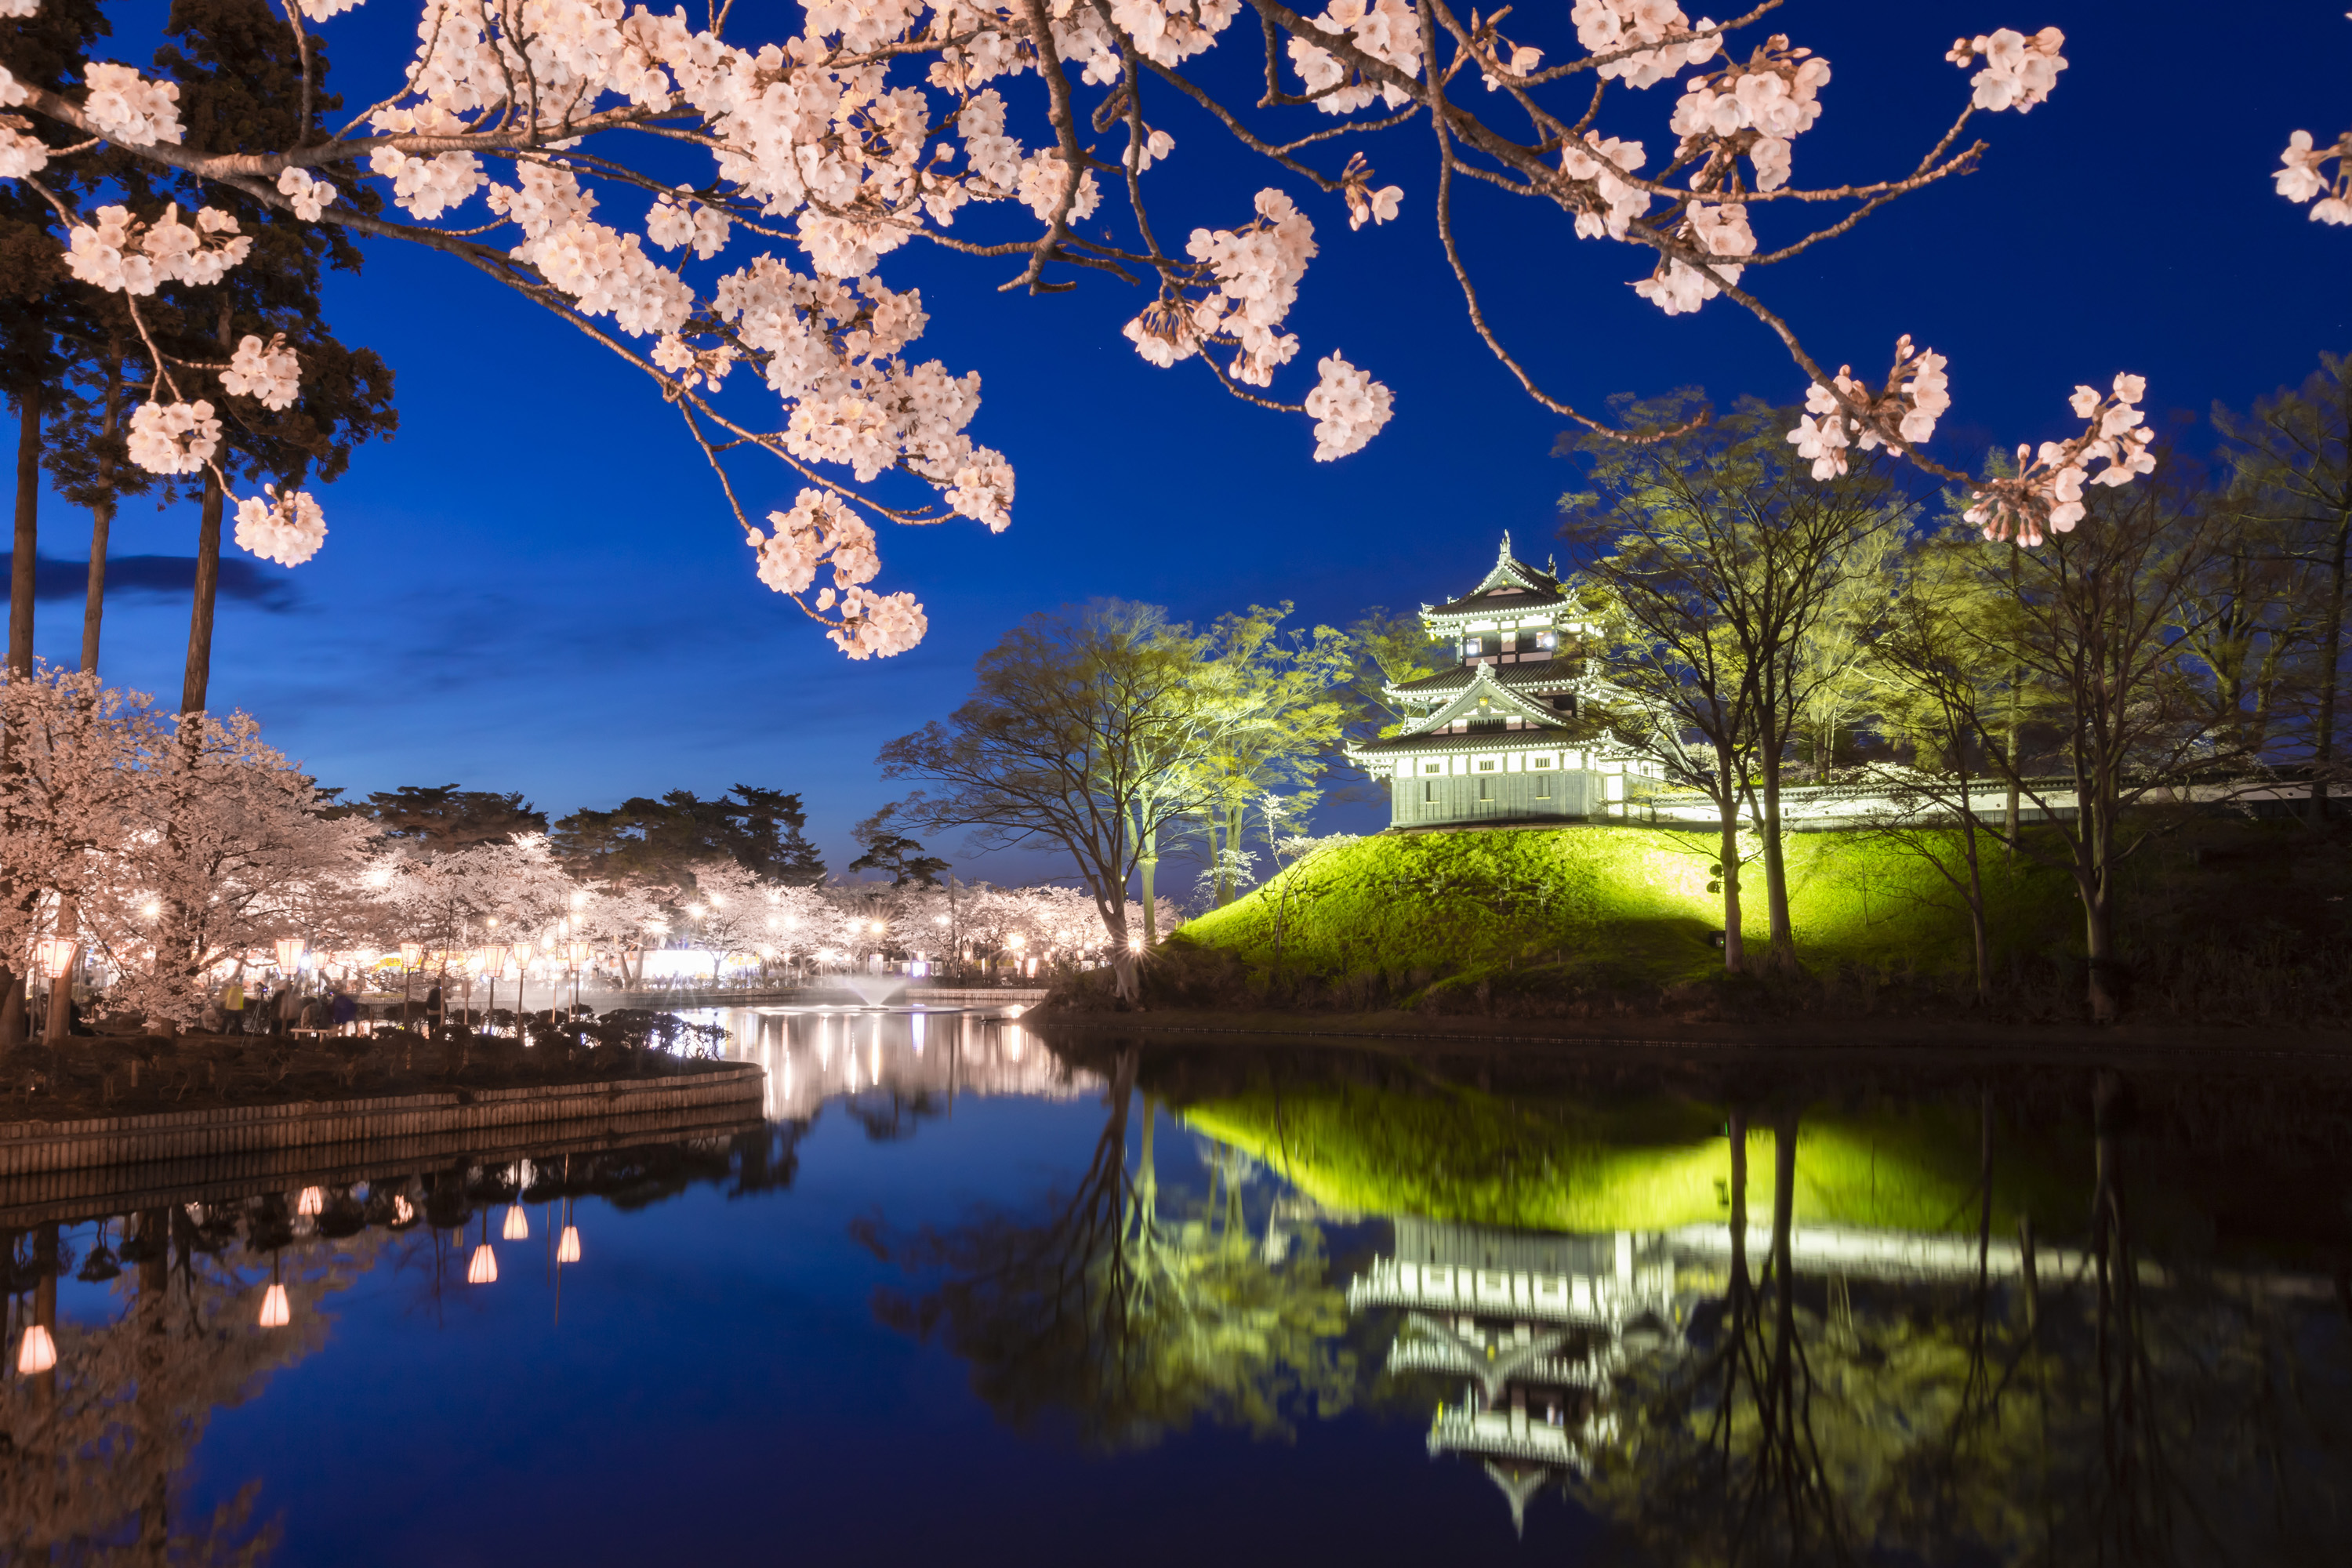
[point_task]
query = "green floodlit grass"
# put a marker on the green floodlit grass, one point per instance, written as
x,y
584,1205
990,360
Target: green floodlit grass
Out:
x,y
1465,1156
1624,903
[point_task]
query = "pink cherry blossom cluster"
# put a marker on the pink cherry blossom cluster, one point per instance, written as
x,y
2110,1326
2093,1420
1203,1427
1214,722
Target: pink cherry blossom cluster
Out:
x,y
1622,26
2046,492
124,256
819,530
173,438
269,372
125,106
309,194
1755,107
287,529
1250,278
1366,205
876,625
1676,288
1348,408
2019,72
2304,178
1387,30
1846,412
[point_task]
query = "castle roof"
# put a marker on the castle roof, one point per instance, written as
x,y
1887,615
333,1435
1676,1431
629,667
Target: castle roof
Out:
x,y
1536,675
1510,587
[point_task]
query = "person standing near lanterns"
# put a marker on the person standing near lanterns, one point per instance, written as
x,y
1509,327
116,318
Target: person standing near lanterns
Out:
x,y
232,1006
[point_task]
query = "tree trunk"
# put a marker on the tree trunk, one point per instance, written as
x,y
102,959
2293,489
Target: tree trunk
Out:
x,y
93,609
1733,949
1216,867
12,1010
61,988
1147,863
23,568
195,686
2331,642
1782,953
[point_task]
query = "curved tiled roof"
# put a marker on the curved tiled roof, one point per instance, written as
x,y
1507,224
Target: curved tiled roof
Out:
x,y
1535,674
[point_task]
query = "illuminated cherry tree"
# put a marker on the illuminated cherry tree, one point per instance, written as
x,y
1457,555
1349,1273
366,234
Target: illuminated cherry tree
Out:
x,y
522,137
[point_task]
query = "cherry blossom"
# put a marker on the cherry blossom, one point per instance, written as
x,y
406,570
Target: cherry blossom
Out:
x,y
287,529
2019,72
2302,178
1612,26
125,106
1846,412
860,128
2046,492
308,195
268,371
173,438
1348,406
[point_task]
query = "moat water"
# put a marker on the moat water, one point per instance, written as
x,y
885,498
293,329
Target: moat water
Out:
x,y
959,1291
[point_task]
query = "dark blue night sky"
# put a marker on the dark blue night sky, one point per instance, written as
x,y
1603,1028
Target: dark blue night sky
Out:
x,y
537,587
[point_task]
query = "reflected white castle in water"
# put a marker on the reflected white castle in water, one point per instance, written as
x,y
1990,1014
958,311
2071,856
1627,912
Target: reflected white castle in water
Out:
x,y
1536,1325
813,1054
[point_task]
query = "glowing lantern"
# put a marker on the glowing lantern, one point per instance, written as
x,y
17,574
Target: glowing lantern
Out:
x,y
275,1313
568,1249
582,951
55,954
518,1226
312,1202
492,957
36,1352
484,1268
412,954
290,951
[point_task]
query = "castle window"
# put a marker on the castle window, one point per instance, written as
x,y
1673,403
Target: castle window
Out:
x,y
1428,790
1543,787
1540,763
1486,764
1433,767
1482,784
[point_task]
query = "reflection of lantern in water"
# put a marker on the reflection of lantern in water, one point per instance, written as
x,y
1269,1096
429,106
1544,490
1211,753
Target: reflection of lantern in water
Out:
x,y
484,1268
518,1226
403,1211
568,1249
275,1313
36,1352
312,1202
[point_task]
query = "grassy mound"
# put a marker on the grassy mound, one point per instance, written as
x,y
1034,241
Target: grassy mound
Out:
x,y
2228,919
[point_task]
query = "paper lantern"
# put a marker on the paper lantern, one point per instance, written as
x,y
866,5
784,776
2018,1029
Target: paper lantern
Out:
x,y
36,1352
290,951
518,1226
484,1268
312,1202
412,954
568,1249
275,1313
492,956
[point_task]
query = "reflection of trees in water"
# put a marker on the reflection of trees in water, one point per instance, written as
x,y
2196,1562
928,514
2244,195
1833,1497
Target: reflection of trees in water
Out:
x,y
95,1446
1131,1313
2098,1411
91,1452
891,1115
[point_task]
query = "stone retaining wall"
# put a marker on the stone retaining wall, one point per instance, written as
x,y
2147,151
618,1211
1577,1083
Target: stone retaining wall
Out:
x,y
34,1148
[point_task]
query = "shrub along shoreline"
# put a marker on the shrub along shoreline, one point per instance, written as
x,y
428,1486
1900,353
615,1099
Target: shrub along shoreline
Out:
x,y
128,1075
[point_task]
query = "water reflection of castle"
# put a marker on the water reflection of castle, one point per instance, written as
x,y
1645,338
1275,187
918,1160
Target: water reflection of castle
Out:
x,y
1534,1326
813,1055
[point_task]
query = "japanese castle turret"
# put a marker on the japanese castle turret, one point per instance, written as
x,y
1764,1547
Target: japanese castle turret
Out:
x,y
1506,735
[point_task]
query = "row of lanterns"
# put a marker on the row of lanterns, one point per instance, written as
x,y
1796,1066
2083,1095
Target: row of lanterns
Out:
x,y
36,1352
